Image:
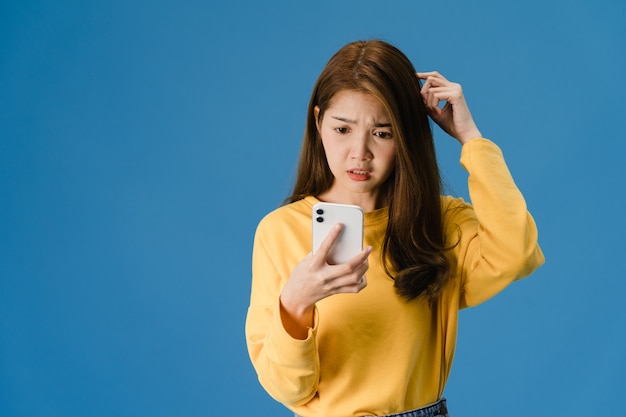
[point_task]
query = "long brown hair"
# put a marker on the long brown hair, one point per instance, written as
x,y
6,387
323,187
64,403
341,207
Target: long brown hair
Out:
x,y
414,244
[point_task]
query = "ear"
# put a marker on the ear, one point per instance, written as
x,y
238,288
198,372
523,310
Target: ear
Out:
x,y
316,114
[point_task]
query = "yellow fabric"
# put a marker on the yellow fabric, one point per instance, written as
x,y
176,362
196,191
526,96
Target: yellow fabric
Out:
x,y
372,353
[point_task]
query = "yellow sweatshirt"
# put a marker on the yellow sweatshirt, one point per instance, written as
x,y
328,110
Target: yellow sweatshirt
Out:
x,y
373,353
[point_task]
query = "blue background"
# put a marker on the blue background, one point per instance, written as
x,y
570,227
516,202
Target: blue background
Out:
x,y
142,141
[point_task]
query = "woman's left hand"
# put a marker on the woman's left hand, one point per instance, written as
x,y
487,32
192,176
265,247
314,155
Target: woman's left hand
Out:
x,y
454,117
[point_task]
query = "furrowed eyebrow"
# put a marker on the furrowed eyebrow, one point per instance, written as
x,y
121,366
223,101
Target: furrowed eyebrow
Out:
x,y
343,119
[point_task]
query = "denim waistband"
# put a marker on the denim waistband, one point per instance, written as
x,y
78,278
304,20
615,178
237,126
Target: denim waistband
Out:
x,y
438,409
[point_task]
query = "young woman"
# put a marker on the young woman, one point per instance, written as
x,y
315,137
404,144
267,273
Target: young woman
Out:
x,y
376,335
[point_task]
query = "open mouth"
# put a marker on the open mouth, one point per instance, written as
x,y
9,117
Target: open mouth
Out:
x,y
358,174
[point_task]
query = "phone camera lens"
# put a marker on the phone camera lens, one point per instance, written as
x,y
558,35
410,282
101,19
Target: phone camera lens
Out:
x,y
319,211
319,218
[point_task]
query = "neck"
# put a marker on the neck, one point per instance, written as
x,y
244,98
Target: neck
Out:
x,y
366,201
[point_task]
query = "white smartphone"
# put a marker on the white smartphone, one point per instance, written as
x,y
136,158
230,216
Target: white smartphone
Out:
x,y
350,241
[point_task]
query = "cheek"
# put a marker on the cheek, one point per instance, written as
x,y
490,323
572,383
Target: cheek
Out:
x,y
333,158
330,152
389,155
332,148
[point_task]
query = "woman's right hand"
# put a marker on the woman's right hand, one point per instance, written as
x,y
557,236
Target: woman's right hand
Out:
x,y
313,279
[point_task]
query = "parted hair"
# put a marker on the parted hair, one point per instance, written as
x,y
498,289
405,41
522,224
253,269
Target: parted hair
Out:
x,y
413,250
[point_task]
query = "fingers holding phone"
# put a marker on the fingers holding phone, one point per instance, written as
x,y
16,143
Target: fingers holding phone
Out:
x,y
314,279
338,261
338,240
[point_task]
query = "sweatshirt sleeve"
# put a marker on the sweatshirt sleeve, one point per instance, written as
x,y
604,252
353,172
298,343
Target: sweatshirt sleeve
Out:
x,y
498,242
287,368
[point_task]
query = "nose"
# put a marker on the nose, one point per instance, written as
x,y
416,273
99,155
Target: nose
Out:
x,y
360,148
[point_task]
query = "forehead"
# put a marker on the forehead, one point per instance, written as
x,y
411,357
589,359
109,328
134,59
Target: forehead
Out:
x,y
357,103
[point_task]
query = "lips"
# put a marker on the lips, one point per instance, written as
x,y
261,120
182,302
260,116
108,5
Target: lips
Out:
x,y
359,174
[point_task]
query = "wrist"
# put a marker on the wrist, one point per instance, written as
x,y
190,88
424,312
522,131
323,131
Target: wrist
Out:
x,y
466,137
294,308
296,319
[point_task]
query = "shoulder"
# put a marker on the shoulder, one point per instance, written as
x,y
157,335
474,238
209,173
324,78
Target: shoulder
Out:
x,y
459,218
284,236
453,206
289,216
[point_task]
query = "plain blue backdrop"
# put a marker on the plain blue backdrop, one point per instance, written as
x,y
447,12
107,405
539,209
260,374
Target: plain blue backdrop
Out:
x,y
142,141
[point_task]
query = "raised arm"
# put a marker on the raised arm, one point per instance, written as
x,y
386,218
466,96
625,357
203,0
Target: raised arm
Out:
x,y
498,235
499,238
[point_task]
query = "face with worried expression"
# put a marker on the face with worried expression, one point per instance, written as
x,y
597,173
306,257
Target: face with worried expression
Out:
x,y
357,136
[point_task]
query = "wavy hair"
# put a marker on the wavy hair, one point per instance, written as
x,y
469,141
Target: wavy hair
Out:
x,y
413,250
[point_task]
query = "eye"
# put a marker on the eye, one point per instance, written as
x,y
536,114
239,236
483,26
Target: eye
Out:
x,y
341,130
383,135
